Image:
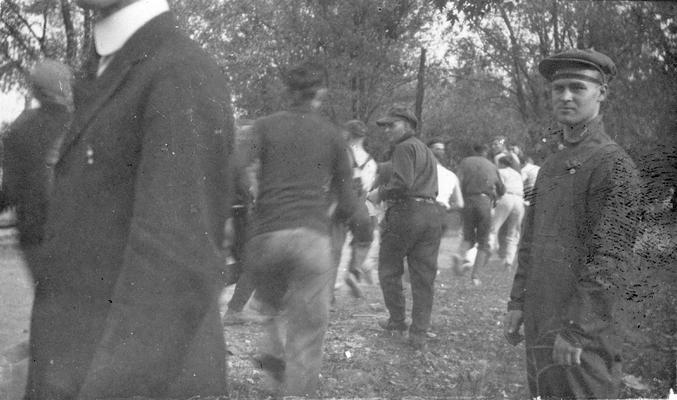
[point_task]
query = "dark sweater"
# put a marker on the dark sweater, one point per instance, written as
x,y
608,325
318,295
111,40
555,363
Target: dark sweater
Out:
x,y
304,167
414,171
478,175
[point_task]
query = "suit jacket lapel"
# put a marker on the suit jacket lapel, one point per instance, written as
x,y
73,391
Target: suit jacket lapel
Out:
x,y
92,94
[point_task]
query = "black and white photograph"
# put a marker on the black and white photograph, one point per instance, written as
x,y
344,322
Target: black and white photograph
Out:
x,y
338,199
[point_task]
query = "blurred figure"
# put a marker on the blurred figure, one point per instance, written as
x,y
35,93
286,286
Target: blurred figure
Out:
x,y
481,186
412,227
245,187
364,176
132,248
529,174
31,147
577,242
449,195
508,214
304,169
499,150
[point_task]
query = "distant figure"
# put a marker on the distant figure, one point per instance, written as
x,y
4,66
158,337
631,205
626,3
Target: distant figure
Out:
x,y
245,187
508,214
499,150
304,169
31,147
134,233
412,227
577,241
364,176
529,174
481,186
449,195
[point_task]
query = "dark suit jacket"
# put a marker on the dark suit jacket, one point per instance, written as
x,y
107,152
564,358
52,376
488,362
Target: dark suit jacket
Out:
x,y
27,170
128,302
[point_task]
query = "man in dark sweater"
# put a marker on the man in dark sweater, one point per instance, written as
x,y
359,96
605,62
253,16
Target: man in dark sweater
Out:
x,y
412,227
304,168
481,185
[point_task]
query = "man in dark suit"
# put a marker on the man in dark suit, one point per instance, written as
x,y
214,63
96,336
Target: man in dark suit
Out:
x,y
132,241
30,145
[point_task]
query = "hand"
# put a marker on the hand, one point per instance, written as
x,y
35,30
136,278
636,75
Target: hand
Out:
x,y
511,327
565,353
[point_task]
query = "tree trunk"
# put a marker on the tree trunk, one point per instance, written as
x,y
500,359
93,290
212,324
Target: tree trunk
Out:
x,y
420,89
71,45
514,50
555,28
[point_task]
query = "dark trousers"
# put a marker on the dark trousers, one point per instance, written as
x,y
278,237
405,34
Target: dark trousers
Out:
x,y
411,229
477,220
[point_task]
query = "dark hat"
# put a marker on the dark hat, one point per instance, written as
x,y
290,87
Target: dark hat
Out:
x,y
578,58
396,113
356,128
304,76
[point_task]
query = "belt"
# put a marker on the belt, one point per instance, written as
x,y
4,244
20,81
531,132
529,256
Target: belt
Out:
x,y
418,199
424,199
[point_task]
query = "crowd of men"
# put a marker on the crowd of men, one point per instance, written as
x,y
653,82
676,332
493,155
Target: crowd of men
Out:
x,y
124,186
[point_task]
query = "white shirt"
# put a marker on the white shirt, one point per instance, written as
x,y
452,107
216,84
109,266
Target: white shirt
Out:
x,y
529,175
512,181
448,186
113,31
367,173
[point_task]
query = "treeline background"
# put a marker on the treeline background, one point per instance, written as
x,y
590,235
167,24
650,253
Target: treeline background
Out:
x,y
467,68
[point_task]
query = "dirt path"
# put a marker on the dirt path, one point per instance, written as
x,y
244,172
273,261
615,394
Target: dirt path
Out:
x,y
466,357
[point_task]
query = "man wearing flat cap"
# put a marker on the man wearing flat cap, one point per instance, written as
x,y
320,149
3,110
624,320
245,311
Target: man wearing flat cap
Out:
x,y
577,239
412,227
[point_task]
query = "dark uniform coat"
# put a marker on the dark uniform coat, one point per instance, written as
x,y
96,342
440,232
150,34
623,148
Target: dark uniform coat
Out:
x,y
576,244
128,302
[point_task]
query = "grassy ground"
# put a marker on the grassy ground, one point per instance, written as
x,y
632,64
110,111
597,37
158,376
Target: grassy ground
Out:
x,y
467,356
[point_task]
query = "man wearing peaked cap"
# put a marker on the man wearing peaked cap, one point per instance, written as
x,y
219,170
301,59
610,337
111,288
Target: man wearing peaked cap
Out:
x,y
576,241
412,226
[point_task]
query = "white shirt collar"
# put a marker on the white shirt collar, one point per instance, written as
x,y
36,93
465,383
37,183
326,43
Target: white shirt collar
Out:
x,y
111,33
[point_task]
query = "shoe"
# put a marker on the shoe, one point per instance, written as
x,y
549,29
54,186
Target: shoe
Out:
x,y
354,288
393,326
233,318
418,340
476,282
273,366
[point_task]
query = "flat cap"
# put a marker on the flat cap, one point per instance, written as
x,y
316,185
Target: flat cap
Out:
x,y
396,113
578,58
356,128
304,76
